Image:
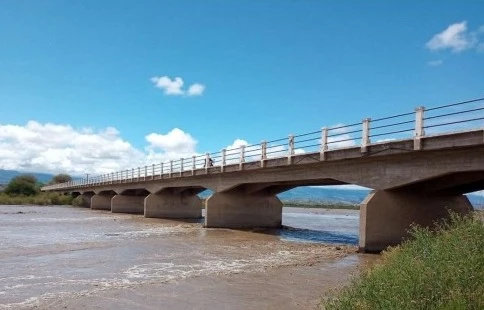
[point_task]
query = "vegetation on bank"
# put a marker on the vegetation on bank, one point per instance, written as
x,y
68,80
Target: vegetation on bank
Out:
x,y
42,199
434,270
25,189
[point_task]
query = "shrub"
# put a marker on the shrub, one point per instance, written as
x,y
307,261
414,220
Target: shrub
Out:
x,y
24,184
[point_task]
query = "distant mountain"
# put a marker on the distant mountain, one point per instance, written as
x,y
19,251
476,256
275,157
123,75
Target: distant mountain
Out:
x,y
7,175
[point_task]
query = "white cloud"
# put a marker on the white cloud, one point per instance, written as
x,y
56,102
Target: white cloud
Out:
x,y
455,38
169,86
253,152
340,138
174,87
61,148
196,90
435,63
173,145
55,148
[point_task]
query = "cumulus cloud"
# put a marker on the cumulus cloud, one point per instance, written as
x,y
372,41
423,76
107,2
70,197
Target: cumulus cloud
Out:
x,y
58,148
169,86
253,152
456,38
61,148
171,146
340,137
196,90
174,87
55,148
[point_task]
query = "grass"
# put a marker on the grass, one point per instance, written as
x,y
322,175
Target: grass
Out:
x,y
42,199
433,270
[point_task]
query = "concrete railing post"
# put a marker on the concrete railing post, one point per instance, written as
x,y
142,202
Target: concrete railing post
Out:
x,y
263,155
153,171
242,157
181,166
324,144
365,135
112,177
171,168
193,164
419,128
290,152
146,172
161,170
224,156
132,174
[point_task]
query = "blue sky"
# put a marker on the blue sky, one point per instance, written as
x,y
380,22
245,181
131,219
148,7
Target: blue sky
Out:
x,y
87,71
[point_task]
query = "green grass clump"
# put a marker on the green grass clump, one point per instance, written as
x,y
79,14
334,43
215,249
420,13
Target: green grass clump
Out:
x,y
434,270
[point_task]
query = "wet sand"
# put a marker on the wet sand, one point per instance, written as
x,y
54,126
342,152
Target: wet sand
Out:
x,y
65,257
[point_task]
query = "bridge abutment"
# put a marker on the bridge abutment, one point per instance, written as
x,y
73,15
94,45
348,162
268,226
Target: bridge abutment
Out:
x,y
127,204
102,201
237,209
172,205
386,216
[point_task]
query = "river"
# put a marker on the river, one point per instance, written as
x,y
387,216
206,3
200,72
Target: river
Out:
x,y
61,257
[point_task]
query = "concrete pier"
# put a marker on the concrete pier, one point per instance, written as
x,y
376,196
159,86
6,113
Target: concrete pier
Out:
x,y
127,204
171,205
386,216
102,201
236,209
85,199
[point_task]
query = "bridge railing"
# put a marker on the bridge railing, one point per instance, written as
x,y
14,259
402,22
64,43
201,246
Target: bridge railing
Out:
x,y
416,125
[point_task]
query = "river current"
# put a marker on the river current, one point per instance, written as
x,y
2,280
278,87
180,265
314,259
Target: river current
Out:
x,y
60,257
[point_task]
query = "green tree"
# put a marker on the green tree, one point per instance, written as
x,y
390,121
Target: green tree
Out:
x,y
24,184
60,178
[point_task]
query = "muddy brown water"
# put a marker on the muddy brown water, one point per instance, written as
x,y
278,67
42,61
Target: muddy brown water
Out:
x,y
60,257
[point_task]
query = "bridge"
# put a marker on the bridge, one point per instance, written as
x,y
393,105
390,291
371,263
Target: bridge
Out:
x,y
419,165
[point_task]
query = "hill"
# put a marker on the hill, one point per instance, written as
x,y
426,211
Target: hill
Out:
x,y
7,175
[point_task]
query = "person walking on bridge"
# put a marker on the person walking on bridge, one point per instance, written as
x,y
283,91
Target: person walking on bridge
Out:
x,y
208,162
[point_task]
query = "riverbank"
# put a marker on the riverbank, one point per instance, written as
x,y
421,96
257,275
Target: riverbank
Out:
x,y
433,270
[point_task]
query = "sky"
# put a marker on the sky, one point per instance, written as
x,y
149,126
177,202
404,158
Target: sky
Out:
x,y
98,86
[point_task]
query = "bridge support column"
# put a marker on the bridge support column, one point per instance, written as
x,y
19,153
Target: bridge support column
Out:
x,y
127,204
85,199
101,201
170,205
385,216
237,209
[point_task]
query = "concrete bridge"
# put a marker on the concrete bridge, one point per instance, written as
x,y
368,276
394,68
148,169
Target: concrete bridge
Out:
x,y
415,180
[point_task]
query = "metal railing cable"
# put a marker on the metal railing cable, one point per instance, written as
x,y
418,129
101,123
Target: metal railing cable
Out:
x,y
455,104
